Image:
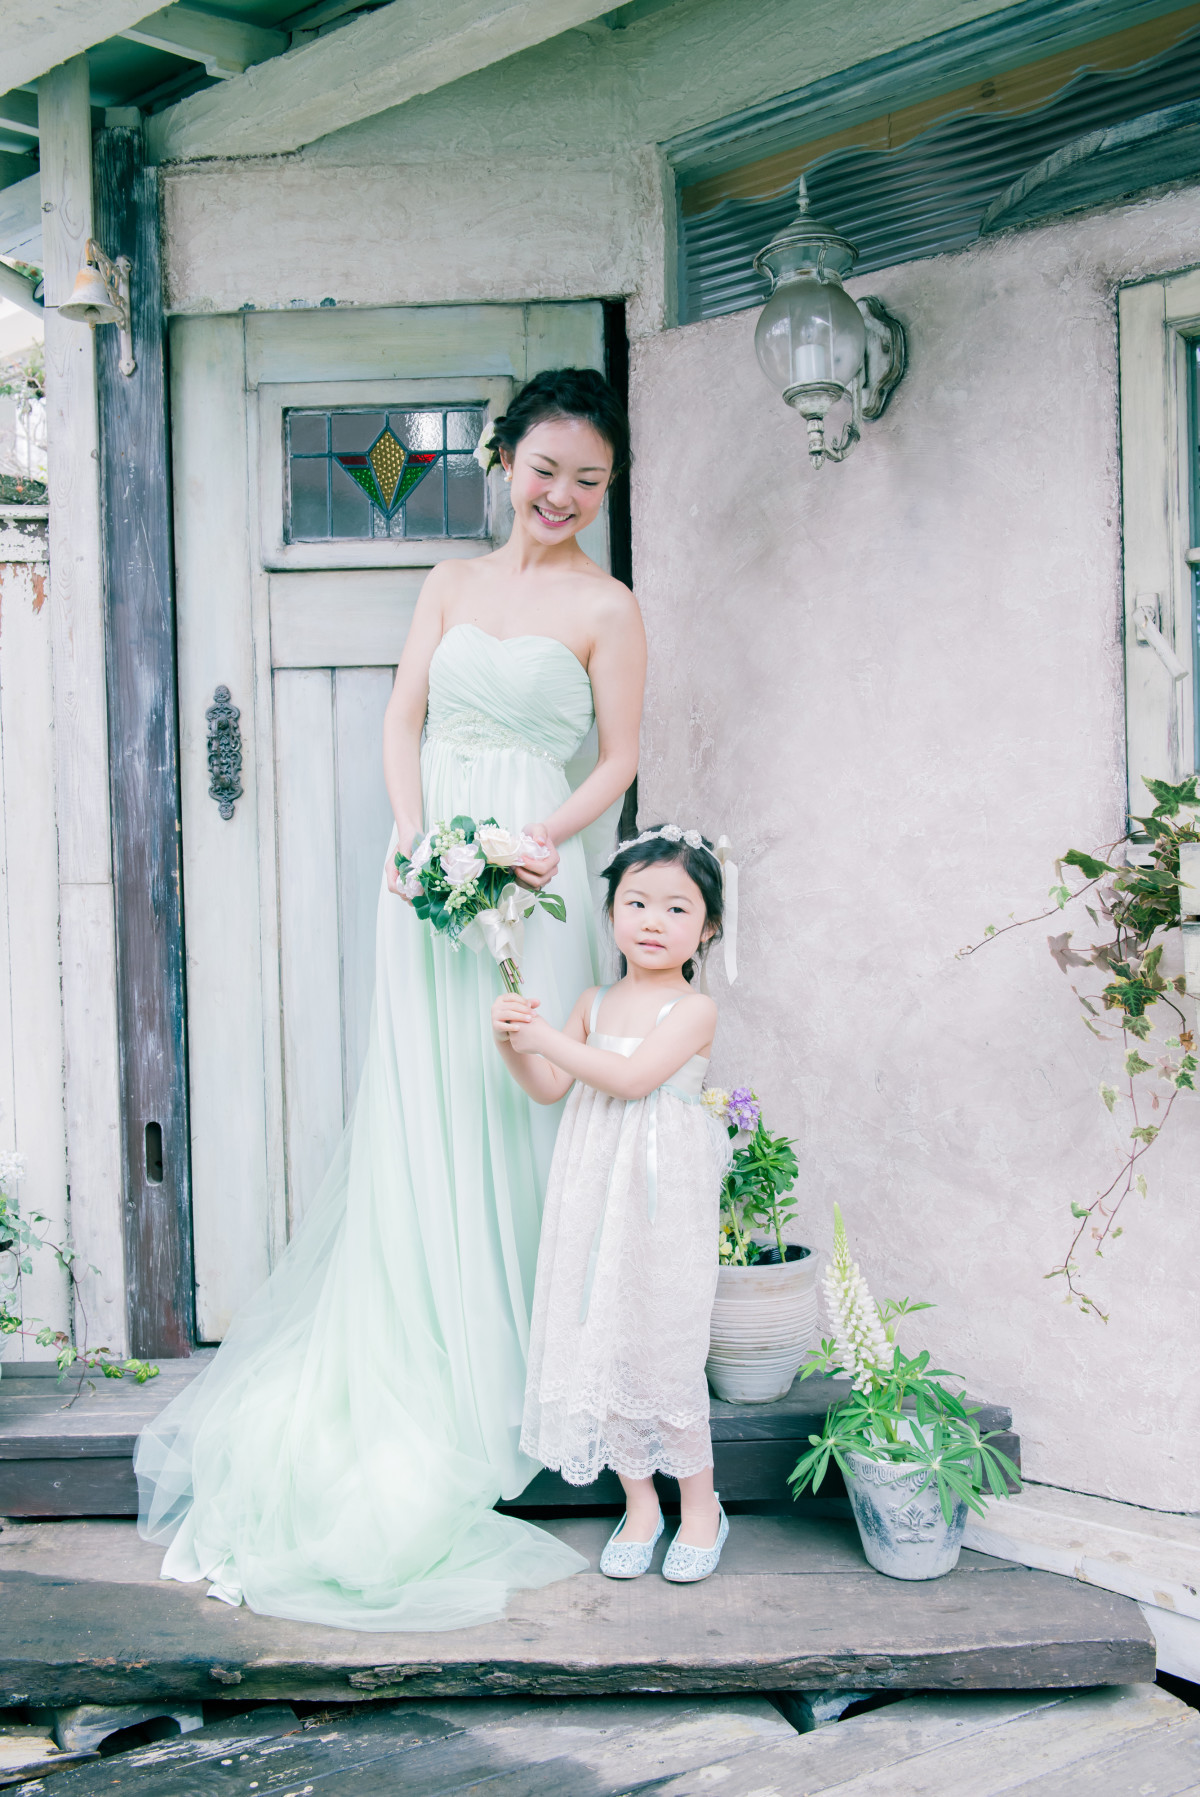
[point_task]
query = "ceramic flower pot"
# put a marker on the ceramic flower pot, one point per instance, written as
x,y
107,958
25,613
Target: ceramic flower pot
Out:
x,y
901,1527
764,1321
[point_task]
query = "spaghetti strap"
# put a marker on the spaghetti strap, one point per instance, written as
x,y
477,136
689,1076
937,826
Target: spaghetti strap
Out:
x,y
601,994
669,1006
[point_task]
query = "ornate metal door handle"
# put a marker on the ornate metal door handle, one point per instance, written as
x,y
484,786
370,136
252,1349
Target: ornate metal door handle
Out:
x,y
224,752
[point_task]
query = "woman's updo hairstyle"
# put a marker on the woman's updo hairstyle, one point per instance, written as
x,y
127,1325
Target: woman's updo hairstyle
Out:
x,y
700,865
564,393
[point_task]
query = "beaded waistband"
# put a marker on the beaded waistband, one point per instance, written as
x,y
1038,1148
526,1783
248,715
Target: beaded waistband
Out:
x,y
470,733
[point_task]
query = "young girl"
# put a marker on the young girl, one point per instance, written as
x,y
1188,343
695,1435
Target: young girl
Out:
x,y
627,1268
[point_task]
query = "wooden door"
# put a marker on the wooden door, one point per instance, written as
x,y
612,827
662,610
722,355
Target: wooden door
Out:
x,y
295,435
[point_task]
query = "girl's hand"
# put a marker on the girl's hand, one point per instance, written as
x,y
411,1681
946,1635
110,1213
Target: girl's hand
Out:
x,y
539,873
512,1014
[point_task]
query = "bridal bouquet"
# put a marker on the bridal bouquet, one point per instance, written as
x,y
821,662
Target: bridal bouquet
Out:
x,y
459,879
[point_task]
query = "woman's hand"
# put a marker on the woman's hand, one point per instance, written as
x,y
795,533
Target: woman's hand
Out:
x,y
539,873
395,879
513,1018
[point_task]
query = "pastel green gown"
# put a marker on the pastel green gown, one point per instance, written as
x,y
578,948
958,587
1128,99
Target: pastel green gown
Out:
x,y
339,1459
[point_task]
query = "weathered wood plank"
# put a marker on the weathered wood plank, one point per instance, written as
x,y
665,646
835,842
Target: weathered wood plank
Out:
x,y
32,1117
144,766
306,829
75,1634
979,1747
88,944
364,825
78,1486
360,618
226,1021
592,1745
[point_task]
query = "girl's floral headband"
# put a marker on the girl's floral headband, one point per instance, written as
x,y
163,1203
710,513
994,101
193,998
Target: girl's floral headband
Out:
x,y
729,884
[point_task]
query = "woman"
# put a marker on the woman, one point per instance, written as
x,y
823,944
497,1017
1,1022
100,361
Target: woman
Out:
x,y
340,1459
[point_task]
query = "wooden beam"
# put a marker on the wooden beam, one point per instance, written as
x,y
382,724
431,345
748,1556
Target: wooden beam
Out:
x,y
144,764
19,112
380,60
226,47
19,288
40,34
21,220
89,975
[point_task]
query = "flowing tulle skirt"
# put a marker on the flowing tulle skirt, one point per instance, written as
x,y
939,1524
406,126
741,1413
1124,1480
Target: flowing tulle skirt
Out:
x,y
339,1460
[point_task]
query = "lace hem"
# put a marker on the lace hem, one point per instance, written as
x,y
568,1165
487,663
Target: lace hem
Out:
x,y
580,1446
469,733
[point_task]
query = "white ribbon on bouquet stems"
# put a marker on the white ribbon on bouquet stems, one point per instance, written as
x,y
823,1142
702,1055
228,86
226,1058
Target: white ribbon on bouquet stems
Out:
x,y
501,931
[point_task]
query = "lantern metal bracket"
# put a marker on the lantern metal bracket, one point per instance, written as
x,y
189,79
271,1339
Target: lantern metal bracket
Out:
x,y
887,356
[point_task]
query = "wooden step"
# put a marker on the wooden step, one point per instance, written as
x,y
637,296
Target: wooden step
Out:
x,y
64,1458
794,1606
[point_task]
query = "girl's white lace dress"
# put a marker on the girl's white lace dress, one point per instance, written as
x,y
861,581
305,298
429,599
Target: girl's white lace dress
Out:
x,y
626,1276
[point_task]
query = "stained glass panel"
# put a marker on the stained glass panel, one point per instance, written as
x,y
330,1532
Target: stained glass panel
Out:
x,y
354,473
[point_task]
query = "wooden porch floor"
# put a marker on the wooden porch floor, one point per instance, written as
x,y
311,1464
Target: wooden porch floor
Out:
x,y
1119,1743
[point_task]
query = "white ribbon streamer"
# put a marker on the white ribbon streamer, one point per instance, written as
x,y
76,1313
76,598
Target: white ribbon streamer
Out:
x,y
501,929
729,881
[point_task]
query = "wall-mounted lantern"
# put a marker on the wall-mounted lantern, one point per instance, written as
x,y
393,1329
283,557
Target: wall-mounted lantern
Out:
x,y
101,296
816,344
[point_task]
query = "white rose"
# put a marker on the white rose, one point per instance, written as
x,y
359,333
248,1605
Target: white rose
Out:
x,y
461,862
422,852
410,886
499,846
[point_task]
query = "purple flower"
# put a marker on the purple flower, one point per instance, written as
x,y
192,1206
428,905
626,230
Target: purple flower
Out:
x,y
743,1110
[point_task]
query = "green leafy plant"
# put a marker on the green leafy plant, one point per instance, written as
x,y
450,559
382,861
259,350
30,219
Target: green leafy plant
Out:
x,y
1133,904
761,1175
21,1237
898,1409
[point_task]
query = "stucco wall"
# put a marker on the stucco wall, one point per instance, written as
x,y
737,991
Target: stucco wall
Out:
x,y
537,178
897,685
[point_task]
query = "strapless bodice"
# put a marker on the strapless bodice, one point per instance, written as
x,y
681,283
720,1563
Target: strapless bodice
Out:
x,y
525,693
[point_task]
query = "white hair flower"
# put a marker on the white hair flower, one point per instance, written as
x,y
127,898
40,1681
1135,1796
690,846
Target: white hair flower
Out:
x,y
671,833
863,1348
486,444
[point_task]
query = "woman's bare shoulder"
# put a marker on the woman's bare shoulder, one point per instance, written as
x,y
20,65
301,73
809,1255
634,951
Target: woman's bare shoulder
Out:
x,y
614,607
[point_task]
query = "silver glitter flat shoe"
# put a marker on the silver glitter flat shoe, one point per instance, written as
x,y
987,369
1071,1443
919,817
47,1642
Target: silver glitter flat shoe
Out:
x,y
685,1565
628,1559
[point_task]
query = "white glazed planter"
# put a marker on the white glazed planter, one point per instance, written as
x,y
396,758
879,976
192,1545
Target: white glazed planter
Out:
x,y
763,1322
902,1529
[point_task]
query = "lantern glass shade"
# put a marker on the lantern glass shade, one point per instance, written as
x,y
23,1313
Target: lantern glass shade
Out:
x,y
810,331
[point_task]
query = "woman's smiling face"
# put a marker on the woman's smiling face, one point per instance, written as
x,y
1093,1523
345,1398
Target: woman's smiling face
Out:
x,y
560,473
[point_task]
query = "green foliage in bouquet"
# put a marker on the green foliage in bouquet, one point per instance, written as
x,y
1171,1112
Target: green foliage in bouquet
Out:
x,y
21,1237
459,878
898,1409
761,1176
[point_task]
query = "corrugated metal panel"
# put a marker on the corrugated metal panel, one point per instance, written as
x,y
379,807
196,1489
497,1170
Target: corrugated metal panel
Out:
x,y
926,198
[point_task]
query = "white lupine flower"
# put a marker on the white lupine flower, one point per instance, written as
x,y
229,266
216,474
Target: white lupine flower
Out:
x,y
862,1345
